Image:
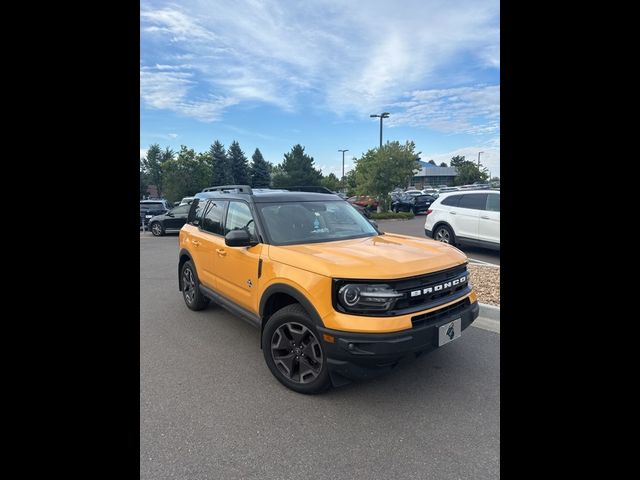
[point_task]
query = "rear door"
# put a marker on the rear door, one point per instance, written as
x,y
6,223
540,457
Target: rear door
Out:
x,y
489,223
237,267
211,241
468,214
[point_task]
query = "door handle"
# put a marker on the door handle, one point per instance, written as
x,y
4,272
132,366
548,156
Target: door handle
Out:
x,y
452,213
486,218
195,243
221,252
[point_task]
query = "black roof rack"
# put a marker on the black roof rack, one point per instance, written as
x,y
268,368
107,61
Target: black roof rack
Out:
x,y
239,188
313,189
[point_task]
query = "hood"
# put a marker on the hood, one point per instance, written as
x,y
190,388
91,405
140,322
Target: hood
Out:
x,y
382,257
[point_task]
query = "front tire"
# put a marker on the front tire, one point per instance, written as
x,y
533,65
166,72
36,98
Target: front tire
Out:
x,y
156,229
193,297
294,352
445,235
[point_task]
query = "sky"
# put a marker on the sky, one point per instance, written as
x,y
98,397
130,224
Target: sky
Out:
x,y
271,74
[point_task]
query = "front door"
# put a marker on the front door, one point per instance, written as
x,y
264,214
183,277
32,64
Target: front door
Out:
x,y
237,267
178,218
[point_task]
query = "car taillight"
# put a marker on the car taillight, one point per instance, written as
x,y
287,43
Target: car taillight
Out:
x,y
429,211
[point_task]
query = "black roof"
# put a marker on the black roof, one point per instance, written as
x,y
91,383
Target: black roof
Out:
x,y
269,195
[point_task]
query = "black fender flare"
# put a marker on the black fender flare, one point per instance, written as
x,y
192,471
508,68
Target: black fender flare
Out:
x,y
296,294
183,251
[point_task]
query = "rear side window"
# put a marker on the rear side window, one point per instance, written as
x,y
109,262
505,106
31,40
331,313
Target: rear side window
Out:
x,y
452,201
195,213
493,202
181,210
473,201
213,215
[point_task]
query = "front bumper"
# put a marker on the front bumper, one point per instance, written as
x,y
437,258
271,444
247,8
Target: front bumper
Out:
x,y
357,356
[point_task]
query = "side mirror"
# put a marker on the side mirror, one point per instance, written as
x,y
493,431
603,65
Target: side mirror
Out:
x,y
238,238
169,214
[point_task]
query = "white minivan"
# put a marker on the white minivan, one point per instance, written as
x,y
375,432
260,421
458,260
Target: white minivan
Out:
x,y
466,217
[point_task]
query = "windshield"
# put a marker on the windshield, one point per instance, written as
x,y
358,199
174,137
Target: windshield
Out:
x,y
151,206
290,223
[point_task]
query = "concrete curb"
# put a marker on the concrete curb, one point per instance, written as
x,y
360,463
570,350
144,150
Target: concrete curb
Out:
x,y
489,311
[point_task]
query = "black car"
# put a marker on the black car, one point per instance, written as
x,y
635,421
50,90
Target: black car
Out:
x,y
172,221
408,203
151,208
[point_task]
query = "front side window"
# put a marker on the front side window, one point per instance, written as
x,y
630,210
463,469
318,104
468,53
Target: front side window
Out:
x,y
213,215
473,201
180,210
289,223
239,217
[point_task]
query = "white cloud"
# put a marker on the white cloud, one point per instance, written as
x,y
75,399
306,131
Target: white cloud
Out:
x,y
347,58
472,110
169,89
490,158
172,135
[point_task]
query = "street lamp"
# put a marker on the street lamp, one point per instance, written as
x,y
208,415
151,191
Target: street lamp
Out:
x,y
479,159
381,116
343,161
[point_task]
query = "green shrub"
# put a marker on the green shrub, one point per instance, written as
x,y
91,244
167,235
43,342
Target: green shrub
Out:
x,y
391,215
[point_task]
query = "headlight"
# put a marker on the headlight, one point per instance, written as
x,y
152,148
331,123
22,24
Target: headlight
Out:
x,y
362,297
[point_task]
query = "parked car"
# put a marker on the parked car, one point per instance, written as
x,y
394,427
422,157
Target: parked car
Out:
x,y
151,208
364,201
409,203
186,201
447,189
172,221
333,300
467,217
413,192
430,191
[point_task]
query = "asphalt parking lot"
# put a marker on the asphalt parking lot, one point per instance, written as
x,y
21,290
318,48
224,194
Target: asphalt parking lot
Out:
x,y
210,408
415,227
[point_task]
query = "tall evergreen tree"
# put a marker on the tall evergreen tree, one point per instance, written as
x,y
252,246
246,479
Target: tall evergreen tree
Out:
x,y
260,176
152,164
443,164
298,169
221,173
239,165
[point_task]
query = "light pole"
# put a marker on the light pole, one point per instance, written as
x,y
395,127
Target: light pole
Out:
x,y
381,116
343,162
479,159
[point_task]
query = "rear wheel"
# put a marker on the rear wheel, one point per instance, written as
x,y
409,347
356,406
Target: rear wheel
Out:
x,y
444,234
193,297
293,351
157,229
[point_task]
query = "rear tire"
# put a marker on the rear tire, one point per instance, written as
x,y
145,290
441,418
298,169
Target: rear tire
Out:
x,y
156,229
444,234
193,297
294,351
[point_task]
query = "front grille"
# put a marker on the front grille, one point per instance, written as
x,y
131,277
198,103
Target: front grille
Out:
x,y
429,291
424,282
435,316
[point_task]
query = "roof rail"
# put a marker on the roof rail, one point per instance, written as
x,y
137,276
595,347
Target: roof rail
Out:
x,y
240,189
314,189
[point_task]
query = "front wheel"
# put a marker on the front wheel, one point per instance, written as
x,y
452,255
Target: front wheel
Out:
x,y
293,351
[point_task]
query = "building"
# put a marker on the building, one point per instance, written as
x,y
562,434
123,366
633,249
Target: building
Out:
x,y
432,175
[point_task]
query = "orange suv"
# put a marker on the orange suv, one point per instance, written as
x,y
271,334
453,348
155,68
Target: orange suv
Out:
x,y
335,298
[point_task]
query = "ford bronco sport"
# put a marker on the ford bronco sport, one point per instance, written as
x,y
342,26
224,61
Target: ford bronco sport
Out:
x,y
334,298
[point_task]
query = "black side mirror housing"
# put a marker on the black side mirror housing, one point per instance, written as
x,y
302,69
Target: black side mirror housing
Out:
x,y
238,238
